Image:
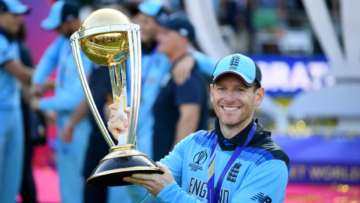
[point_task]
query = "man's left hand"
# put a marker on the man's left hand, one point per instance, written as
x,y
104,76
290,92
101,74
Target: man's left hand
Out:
x,y
154,183
182,70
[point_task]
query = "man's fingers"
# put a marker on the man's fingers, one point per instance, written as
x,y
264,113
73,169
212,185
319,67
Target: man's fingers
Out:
x,y
162,167
144,176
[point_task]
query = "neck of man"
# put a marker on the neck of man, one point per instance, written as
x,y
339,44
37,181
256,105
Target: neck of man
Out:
x,y
231,131
177,54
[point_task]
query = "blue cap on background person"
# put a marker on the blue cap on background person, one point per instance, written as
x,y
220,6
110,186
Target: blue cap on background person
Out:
x,y
151,8
179,23
14,7
60,12
240,65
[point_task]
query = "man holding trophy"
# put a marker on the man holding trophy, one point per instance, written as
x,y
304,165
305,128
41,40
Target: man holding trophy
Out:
x,y
235,162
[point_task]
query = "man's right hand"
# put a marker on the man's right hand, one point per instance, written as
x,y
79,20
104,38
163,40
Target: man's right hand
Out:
x,y
119,119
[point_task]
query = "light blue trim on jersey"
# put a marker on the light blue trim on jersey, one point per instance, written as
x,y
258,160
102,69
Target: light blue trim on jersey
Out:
x,y
248,180
68,91
10,87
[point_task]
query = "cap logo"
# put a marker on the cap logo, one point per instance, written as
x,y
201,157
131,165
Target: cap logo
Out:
x,y
234,62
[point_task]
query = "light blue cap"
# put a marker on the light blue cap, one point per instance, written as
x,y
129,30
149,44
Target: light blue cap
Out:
x,y
150,7
16,7
240,65
54,18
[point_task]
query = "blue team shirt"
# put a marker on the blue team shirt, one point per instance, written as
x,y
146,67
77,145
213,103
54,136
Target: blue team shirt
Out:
x,y
68,91
258,175
10,87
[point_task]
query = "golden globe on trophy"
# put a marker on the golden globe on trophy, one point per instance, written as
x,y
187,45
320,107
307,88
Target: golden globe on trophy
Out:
x,y
108,38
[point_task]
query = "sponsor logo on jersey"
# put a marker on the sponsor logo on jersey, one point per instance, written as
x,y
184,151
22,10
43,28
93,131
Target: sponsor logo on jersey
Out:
x,y
198,161
199,188
261,198
234,172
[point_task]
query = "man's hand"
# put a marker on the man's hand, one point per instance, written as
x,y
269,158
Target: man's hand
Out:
x,y
154,183
34,103
36,90
119,119
182,70
67,133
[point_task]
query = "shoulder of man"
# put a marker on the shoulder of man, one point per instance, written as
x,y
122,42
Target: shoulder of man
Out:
x,y
7,51
267,146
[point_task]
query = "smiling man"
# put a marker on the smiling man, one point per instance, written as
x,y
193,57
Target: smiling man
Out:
x,y
235,162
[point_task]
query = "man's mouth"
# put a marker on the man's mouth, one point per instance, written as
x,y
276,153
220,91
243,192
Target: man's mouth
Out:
x,y
230,108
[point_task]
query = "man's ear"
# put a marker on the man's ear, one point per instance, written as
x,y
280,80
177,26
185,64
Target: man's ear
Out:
x,y
259,96
211,92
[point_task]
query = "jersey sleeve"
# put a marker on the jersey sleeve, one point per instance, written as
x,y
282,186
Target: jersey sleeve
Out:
x,y
174,160
173,193
266,183
6,52
70,99
48,62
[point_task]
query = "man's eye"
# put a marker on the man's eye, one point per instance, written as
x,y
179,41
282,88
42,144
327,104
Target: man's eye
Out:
x,y
240,89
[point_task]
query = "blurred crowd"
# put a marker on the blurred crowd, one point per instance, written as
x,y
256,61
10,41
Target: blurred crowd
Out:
x,y
259,26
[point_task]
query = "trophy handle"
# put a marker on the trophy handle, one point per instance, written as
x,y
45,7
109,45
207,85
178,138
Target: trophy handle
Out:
x,y
135,72
75,45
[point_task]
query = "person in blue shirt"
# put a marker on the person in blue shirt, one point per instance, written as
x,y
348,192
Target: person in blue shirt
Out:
x,y
235,162
12,73
63,17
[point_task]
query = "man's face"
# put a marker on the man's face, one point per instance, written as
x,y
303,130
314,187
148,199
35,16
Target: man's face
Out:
x,y
168,40
233,102
11,22
149,27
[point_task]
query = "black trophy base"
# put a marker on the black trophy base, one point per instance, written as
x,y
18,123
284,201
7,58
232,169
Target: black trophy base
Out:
x,y
120,163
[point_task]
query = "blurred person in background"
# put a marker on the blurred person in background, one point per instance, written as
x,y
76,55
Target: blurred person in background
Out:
x,y
31,123
12,71
99,83
179,108
64,18
235,162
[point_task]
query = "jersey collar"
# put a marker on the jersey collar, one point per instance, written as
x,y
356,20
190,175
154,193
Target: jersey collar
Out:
x,y
232,143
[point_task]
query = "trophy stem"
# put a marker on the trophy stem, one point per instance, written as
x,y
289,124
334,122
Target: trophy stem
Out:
x,y
119,92
118,83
